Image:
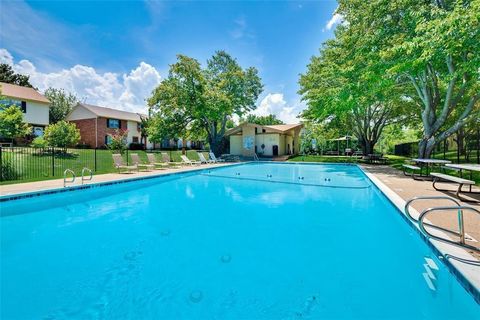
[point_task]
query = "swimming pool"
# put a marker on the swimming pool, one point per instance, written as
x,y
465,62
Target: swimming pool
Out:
x,y
252,241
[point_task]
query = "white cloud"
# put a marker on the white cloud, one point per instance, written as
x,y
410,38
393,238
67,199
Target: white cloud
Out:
x,y
336,19
274,103
109,89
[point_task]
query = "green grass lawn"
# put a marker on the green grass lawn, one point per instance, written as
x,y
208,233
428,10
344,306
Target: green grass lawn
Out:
x,y
393,161
33,165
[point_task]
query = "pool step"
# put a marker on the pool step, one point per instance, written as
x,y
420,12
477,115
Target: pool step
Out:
x,y
430,275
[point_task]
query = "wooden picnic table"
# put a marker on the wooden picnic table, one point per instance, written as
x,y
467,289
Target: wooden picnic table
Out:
x,y
430,162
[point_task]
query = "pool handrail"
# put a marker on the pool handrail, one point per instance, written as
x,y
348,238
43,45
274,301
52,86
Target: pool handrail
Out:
x,y
461,234
409,202
65,181
83,174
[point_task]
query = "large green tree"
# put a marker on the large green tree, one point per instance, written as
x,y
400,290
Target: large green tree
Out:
x,y
431,49
7,75
192,98
61,103
347,84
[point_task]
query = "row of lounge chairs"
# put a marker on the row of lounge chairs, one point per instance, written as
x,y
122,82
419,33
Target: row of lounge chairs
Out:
x,y
165,162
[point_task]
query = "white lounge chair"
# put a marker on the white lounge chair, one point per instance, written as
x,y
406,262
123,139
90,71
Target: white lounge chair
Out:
x,y
203,159
167,160
214,159
153,161
119,164
136,161
188,161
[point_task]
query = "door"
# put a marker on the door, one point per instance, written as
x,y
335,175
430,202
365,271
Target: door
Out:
x,y
275,150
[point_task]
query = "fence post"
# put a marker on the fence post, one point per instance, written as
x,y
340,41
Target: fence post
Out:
x,y
95,163
53,161
127,156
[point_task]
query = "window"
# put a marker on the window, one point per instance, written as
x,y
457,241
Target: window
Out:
x,y
38,131
108,139
113,123
5,103
135,139
255,130
263,130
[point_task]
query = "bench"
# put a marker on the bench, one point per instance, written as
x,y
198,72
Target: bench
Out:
x,y
441,177
411,167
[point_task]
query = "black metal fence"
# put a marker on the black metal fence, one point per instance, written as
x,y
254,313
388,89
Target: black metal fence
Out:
x,y
30,164
469,150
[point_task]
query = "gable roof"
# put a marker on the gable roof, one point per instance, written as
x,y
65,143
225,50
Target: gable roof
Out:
x,y
23,93
280,128
111,113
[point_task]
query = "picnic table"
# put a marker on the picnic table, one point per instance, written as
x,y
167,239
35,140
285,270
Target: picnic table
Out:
x,y
465,166
430,162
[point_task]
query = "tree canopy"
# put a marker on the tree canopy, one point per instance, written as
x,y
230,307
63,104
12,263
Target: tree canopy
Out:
x,y
193,98
12,124
61,103
7,75
390,60
270,119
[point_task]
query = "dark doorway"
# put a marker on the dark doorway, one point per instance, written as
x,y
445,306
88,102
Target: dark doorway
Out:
x,y
275,150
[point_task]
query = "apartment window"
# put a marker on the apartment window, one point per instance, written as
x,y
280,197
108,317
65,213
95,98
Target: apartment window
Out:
x,y
255,130
135,139
113,123
108,139
5,103
263,130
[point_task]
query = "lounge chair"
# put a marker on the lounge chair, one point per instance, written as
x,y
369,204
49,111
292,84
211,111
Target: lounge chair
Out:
x,y
188,161
119,164
153,161
136,161
214,159
203,159
167,160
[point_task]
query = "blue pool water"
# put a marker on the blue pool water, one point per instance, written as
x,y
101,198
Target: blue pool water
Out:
x,y
252,241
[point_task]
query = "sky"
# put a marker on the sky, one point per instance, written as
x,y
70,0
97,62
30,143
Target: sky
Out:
x,y
113,53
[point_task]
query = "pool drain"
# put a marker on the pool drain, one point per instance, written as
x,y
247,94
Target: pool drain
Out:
x,y
226,258
196,296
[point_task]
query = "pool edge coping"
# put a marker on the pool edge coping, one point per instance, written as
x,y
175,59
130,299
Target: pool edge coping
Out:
x,y
463,273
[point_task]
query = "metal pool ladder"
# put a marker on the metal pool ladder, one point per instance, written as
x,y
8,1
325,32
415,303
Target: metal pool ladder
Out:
x,y
461,228
65,173
90,175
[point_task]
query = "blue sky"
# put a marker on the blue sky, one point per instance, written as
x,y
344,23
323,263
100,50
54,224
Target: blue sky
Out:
x,y
114,52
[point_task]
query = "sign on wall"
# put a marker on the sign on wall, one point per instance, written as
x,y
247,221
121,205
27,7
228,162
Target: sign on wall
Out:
x,y
248,142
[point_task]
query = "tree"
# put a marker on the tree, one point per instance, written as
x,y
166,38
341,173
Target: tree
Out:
x,y
62,134
61,103
271,119
144,123
192,98
12,124
7,75
432,46
348,85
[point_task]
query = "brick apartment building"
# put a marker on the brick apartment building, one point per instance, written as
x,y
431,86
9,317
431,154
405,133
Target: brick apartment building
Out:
x,y
96,123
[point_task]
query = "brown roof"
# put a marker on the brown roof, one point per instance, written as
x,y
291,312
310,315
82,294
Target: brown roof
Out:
x,y
111,113
284,127
19,92
277,128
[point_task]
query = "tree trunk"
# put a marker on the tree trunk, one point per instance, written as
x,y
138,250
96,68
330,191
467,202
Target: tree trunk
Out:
x,y
184,143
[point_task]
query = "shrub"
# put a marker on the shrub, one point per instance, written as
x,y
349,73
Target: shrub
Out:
x,y
39,143
62,134
118,141
136,146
